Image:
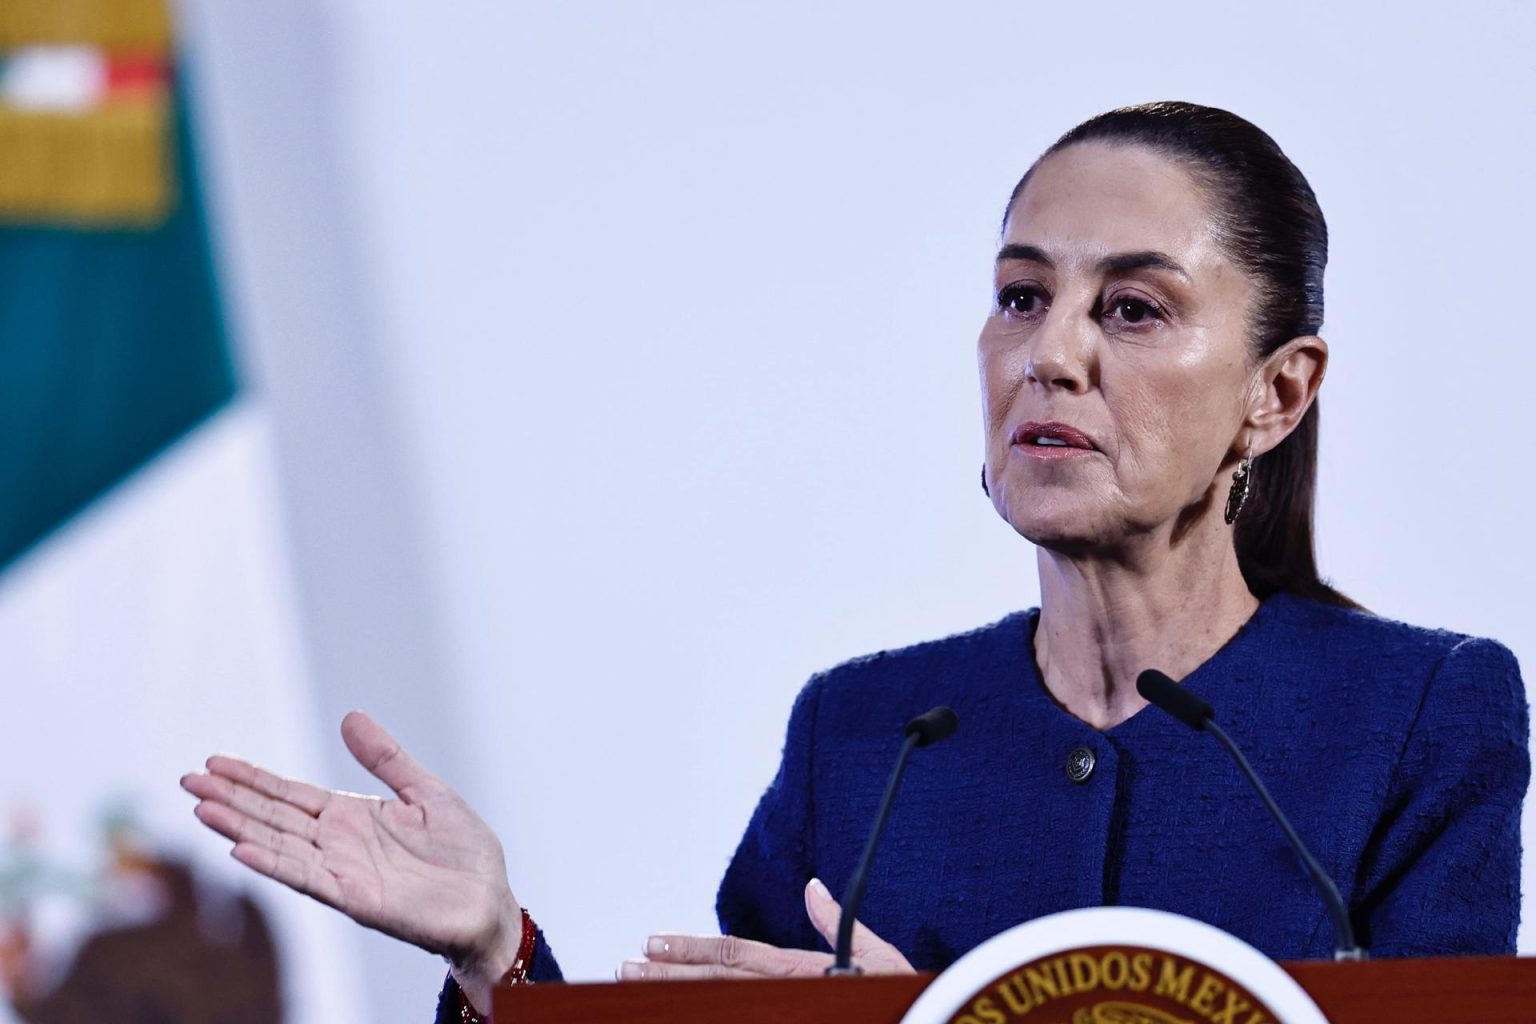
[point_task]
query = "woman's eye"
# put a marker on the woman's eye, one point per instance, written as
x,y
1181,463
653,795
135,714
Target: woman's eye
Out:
x,y
1020,300
1133,311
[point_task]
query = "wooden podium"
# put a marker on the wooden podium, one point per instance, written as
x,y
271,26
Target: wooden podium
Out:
x,y
1470,990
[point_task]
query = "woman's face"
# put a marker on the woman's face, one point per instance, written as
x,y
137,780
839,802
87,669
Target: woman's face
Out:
x,y
1115,365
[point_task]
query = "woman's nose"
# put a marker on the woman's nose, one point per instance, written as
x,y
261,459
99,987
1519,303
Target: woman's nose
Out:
x,y
1060,355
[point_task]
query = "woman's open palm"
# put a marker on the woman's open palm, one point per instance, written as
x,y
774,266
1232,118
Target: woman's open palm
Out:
x,y
422,867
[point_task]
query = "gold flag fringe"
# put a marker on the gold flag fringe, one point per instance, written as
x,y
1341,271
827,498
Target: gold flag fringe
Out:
x,y
110,24
107,168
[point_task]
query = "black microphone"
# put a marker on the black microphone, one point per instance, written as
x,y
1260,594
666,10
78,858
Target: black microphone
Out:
x,y
1197,714
923,731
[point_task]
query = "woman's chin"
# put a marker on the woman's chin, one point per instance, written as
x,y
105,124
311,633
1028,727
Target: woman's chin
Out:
x,y
1064,533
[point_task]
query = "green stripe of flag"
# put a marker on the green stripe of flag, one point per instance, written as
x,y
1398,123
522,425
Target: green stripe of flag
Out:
x,y
112,346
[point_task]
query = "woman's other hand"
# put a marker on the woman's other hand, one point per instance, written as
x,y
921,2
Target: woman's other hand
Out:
x,y
422,867
670,956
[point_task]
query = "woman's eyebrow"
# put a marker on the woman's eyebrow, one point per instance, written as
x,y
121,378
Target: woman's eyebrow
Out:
x,y
1116,263
1032,253
1120,262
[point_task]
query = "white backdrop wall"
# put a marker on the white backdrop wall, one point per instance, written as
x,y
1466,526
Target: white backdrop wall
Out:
x,y
637,342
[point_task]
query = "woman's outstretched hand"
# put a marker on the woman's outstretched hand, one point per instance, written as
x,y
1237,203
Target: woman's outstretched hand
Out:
x,y
700,956
422,867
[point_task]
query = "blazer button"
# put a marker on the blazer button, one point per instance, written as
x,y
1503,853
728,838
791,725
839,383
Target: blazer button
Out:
x,y
1080,764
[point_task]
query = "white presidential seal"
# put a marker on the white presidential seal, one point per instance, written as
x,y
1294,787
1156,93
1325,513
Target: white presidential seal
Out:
x,y
1114,965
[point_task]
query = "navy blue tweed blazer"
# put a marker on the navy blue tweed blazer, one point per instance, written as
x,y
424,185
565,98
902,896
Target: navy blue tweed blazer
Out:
x,y
1400,754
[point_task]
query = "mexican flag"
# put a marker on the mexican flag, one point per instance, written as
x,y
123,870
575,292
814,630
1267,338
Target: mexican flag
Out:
x,y
114,343
146,611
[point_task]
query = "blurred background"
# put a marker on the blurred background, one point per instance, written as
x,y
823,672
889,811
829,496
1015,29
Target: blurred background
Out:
x,y
565,383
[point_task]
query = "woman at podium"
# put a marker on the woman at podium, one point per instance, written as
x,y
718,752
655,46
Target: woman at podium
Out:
x,y
1149,378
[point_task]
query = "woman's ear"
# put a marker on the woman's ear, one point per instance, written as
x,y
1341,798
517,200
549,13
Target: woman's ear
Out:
x,y
1285,389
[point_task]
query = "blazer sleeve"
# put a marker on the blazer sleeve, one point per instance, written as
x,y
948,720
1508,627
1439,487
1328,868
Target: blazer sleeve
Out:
x,y
762,895
1442,876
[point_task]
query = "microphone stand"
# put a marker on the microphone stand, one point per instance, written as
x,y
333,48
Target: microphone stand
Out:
x,y
925,729
1179,702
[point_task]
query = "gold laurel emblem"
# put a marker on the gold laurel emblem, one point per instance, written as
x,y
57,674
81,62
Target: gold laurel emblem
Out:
x,y
1125,1013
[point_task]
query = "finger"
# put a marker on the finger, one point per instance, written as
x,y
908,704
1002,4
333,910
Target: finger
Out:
x,y
219,818
284,817
728,951
826,914
302,873
383,756
241,828
823,910
307,798
650,970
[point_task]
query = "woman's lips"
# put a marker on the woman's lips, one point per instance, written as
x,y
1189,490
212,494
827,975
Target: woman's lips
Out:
x,y
1052,441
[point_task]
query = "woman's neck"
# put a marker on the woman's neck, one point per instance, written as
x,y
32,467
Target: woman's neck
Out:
x,y
1104,621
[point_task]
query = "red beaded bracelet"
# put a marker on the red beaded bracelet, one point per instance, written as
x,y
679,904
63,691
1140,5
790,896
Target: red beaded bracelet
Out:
x,y
517,974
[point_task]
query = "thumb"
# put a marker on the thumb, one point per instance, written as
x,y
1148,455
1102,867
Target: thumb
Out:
x,y
875,954
383,756
823,910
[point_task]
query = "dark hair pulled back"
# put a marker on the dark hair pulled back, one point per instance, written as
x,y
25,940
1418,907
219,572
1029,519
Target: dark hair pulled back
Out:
x,y
1272,227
